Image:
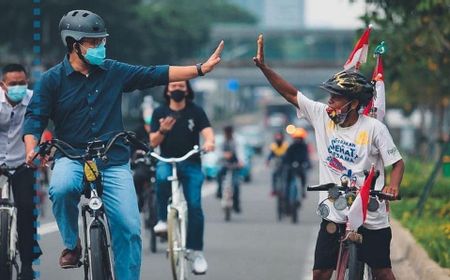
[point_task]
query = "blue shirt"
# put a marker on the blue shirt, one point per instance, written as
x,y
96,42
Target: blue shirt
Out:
x,y
84,107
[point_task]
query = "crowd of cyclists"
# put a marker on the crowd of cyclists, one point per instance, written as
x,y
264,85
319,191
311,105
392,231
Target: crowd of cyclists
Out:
x,y
82,96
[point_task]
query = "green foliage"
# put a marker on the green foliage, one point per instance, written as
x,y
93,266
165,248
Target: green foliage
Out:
x,y
418,62
432,230
144,32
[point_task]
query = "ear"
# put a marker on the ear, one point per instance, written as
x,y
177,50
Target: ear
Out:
x,y
355,104
3,86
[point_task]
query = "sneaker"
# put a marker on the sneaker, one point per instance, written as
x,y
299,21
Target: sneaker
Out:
x,y
199,266
160,227
70,258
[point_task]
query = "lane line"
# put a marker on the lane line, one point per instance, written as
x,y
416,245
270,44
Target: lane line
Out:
x,y
208,189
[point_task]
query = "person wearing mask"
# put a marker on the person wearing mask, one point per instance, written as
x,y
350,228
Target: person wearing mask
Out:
x,y
83,96
176,128
14,99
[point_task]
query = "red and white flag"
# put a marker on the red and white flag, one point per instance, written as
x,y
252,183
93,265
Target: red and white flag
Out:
x,y
359,53
358,211
377,106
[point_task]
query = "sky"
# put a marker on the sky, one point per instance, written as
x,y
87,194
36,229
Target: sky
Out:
x,y
334,13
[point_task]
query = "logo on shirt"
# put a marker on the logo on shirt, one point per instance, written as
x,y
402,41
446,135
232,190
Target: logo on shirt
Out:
x,y
335,164
362,138
343,150
191,124
392,151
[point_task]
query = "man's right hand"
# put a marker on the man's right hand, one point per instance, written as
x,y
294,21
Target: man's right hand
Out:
x,y
166,124
30,145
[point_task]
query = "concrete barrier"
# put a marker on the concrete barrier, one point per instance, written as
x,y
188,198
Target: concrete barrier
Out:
x,y
409,260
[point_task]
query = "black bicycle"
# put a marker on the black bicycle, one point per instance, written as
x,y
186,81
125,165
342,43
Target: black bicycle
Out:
x,y
144,176
8,224
348,266
97,261
288,200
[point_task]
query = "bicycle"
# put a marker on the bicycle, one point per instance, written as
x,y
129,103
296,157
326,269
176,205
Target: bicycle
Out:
x,y
97,261
177,219
147,197
288,203
348,266
8,224
228,190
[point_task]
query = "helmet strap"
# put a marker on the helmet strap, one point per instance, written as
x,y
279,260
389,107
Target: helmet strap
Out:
x,y
79,54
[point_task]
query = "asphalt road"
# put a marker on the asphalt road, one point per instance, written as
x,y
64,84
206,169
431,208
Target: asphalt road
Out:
x,y
253,245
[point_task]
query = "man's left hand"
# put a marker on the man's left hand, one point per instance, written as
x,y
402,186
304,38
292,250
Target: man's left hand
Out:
x,y
208,146
393,190
213,60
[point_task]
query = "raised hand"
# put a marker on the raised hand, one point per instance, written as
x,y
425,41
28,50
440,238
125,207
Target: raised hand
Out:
x,y
214,59
259,58
166,124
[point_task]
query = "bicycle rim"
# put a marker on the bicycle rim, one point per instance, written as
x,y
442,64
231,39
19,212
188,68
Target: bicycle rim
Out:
x,y
99,254
176,250
5,262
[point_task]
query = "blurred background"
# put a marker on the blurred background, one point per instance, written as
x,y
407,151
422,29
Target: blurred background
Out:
x,y
306,41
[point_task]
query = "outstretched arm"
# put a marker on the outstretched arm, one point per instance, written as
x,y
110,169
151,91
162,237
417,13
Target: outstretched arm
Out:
x,y
183,73
284,88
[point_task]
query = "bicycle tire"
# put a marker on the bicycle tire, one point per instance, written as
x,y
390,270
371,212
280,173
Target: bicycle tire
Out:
x,y
176,253
152,221
99,254
355,269
5,262
227,214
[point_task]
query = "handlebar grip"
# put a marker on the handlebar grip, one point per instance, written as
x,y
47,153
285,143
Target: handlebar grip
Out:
x,y
324,187
137,143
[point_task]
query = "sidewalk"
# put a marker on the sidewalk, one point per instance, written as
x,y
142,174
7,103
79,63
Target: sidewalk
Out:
x,y
409,260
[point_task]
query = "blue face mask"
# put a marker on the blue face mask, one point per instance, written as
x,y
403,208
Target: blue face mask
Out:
x,y
17,93
95,56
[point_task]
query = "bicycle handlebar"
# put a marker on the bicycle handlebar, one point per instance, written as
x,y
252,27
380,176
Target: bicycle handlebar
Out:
x,y
195,150
326,187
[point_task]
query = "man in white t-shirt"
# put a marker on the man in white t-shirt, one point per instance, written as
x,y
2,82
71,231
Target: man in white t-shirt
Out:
x,y
347,143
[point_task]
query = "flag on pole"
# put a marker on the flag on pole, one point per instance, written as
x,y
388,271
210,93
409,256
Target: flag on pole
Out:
x,y
377,106
358,211
359,53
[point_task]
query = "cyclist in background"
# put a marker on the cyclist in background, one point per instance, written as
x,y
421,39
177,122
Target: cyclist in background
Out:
x,y
176,127
296,158
83,96
277,150
347,143
14,99
231,154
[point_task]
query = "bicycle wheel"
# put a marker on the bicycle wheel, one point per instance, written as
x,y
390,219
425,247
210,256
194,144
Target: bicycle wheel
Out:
x,y
100,267
152,220
176,251
5,262
355,269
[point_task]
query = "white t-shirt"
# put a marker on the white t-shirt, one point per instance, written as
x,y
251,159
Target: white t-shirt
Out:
x,y
349,151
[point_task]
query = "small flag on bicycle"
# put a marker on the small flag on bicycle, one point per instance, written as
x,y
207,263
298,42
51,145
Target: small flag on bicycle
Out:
x,y
377,106
358,210
359,53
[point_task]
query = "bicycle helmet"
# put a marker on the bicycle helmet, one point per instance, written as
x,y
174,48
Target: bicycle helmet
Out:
x,y
350,84
79,24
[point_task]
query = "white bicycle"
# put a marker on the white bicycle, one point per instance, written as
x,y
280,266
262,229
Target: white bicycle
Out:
x,y
177,220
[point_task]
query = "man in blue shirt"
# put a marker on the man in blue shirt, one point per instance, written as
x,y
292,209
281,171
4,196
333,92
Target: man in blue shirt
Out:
x,y
82,95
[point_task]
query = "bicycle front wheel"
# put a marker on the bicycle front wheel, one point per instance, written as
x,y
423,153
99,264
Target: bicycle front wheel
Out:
x,y
100,266
5,262
355,267
176,251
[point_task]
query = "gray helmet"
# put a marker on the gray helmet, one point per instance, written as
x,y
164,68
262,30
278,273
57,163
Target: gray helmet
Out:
x,y
79,24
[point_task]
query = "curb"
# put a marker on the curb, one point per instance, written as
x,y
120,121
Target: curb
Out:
x,y
408,257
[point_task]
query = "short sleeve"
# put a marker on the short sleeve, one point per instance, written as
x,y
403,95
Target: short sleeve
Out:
x,y
202,119
309,109
385,145
141,77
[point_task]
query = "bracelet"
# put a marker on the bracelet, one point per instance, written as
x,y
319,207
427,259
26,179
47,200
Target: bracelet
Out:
x,y
162,132
199,69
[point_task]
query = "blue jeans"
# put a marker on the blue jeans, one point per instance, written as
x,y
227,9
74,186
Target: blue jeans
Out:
x,y
121,208
191,177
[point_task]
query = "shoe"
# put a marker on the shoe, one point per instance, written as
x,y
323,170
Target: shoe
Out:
x,y
199,266
237,209
26,273
71,258
160,227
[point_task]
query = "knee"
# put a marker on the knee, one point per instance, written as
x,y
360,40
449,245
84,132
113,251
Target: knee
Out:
x,y
60,190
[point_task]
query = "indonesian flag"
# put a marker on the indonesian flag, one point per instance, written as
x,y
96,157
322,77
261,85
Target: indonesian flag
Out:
x,y
377,106
358,210
359,53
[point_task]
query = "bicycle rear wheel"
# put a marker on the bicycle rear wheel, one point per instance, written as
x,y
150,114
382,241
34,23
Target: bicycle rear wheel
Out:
x,y
176,251
100,266
5,262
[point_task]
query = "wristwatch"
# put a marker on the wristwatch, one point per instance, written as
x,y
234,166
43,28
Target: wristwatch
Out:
x,y
162,132
199,69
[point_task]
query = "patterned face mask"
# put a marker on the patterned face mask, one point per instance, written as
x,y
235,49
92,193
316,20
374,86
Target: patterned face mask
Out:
x,y
336,115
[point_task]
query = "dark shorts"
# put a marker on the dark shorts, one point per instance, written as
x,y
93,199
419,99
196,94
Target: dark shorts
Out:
x,y
374,250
